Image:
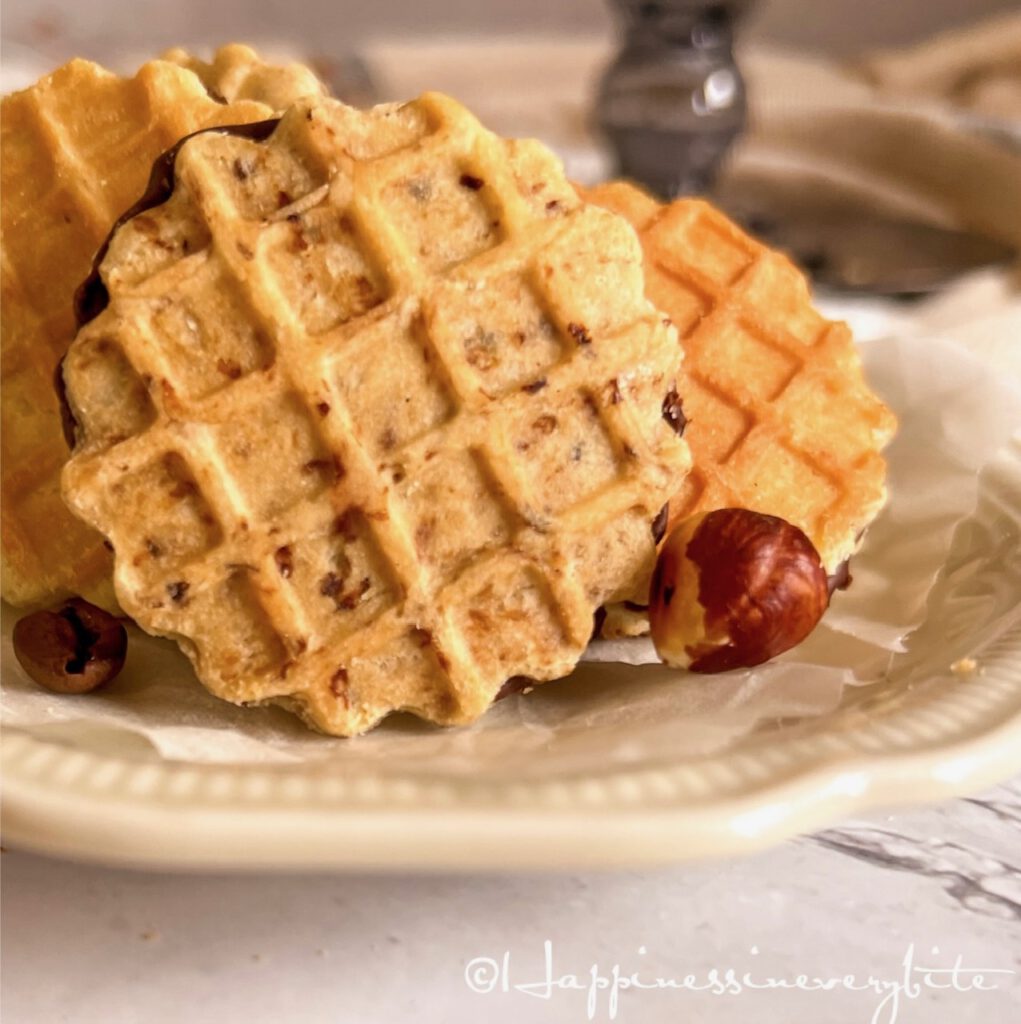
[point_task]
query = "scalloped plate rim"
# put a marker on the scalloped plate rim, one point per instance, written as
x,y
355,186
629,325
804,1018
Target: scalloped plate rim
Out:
x,y
811,801
226,817
126,831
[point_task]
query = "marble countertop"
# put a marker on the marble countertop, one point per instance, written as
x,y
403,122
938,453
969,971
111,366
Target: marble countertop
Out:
x,y
939,885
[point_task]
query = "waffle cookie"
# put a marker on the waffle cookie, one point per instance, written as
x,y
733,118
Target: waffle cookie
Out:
x,y
238,73
778,415
76,150
373,416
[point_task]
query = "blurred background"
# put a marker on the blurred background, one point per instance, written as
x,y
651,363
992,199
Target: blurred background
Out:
x,y
878,142
838,27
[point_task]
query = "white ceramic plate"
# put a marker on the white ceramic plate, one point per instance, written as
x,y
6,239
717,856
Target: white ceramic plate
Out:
x,y
925,732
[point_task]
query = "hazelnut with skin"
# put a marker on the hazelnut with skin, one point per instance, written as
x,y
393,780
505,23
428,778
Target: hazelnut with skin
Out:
x,y
733,588
70,649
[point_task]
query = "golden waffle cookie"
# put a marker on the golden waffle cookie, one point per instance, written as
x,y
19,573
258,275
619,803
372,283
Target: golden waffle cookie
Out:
x,y
779,417
77,149
389,445
237,73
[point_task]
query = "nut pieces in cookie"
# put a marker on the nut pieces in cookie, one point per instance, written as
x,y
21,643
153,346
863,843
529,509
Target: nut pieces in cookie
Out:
x,y
734,588
385,511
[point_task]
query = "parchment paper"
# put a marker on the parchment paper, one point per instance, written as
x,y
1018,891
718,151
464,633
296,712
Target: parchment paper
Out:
x,y
955,409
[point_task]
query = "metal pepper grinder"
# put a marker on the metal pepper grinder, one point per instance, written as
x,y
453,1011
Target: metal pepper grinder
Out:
x,y
673,101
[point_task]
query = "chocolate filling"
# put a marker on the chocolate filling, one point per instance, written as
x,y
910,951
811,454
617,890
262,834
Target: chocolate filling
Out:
x,y
92,296
659,524
68,424
673,412
513,685
597,623
840,578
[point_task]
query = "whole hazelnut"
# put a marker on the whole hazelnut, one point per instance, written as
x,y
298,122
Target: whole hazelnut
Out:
x,y
70,649
733,588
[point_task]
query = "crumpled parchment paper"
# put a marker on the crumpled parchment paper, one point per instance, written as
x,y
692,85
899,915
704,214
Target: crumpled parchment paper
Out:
x,y
619,707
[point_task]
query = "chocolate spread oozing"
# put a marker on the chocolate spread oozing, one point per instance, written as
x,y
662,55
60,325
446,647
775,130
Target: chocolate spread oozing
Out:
x,y
673,412
67,421
659,524
92,296
516,684
840,578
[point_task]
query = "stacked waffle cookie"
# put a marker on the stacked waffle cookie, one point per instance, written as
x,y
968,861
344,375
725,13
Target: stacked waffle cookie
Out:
x,y
776,410
76,150
373,410
373,415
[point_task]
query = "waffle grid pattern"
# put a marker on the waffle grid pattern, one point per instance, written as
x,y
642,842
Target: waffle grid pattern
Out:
x,y
77,148
780,417
428,481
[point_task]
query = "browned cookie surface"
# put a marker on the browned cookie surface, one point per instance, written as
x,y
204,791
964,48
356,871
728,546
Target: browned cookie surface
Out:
x,y
374,417
75,151
777,413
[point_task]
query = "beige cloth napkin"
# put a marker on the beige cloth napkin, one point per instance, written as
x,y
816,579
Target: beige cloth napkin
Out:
x,y
977,68
899,128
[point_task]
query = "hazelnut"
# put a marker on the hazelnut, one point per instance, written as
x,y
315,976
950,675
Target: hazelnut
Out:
x,y
734,588
70,649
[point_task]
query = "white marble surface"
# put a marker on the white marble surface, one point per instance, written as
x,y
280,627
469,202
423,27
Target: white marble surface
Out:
x,y
89,945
